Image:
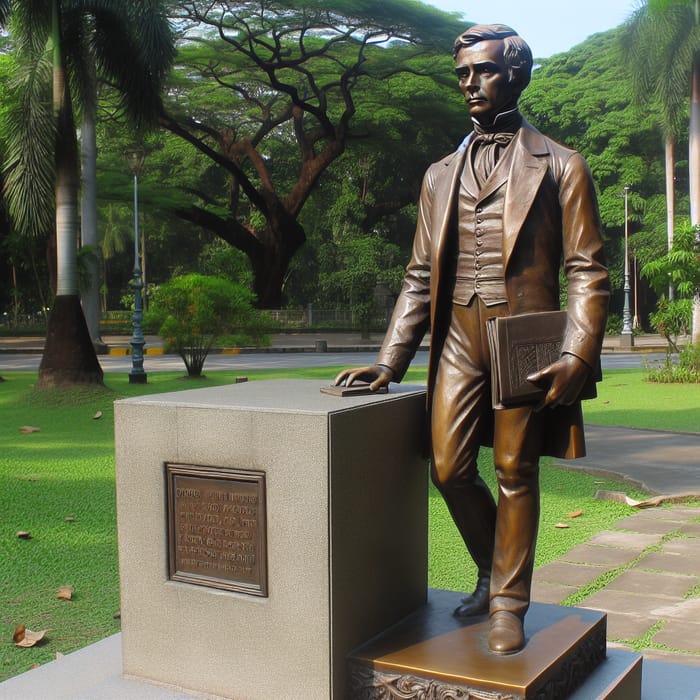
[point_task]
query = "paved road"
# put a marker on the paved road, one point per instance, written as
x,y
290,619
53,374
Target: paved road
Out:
x,y
282,360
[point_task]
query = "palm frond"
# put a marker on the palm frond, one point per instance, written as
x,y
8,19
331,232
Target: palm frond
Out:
x,y
30,24
132,48
4,12
29,163
658,43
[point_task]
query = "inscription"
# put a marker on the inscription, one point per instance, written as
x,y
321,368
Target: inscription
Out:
x,y
217,528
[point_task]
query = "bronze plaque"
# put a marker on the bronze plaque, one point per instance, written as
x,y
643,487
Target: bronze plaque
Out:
x,y
217,528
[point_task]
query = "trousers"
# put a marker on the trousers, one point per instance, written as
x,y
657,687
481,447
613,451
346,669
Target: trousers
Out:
x,y
501,537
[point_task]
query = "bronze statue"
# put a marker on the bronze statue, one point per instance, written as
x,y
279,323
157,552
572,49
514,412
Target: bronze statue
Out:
x,y
496,220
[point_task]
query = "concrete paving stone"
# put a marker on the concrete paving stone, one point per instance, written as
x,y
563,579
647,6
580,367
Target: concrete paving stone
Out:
x,y
568,573
625,540
609,557
677,513
649,525
679,634
691,529
687,609
650,583
688,546
627,625
552,593
685,512
608,600
670,561
674,658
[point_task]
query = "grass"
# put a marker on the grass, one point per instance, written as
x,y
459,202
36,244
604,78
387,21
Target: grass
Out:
x,y
625,398
58,485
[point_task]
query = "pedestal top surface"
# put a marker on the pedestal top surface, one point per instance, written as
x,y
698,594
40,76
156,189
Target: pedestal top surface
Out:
x,y
294,395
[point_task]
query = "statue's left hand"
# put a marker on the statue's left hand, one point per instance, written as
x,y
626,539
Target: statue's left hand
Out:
x,y
565,379
378,375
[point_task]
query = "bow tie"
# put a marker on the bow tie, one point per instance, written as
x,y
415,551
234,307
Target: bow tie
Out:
x,y
502,139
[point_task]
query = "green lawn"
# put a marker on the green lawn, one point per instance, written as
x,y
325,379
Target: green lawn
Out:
x,y
625,398
58,485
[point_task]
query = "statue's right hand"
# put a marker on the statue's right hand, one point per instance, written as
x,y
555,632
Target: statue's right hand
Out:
x,y
377,376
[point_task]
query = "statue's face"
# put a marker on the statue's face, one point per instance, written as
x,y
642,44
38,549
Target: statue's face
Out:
x,y
484,79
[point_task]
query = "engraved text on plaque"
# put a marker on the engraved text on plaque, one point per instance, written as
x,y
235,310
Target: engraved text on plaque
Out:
x,y
217,528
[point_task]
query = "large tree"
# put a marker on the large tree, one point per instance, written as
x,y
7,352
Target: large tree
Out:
x,y
59,43
284,73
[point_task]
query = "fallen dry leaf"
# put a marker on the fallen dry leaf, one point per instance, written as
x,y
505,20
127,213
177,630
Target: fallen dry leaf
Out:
x,y
29,429
59,655
23,535
27,638
65,593
70,518
97,415
562,526
575,514
621,497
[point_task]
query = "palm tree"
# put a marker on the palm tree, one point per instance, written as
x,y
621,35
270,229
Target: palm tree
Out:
x,y
664,50
649,81
130,45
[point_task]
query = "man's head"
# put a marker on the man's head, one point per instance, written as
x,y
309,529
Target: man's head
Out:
x,y
494,66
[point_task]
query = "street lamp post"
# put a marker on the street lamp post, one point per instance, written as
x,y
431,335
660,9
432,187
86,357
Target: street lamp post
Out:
x,y
135,158
627,336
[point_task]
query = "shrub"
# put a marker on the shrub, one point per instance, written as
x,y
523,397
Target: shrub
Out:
x,y
192,310
671,319
687,371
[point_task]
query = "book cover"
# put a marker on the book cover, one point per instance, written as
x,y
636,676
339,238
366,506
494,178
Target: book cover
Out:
x,y
521,345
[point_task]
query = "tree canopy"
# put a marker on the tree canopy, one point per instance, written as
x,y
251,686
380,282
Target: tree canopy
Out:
x,y
281,81
296,138
583,98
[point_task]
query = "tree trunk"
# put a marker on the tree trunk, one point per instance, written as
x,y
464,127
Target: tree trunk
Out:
x,y
694,165
280,242
69,356
670,199
88,226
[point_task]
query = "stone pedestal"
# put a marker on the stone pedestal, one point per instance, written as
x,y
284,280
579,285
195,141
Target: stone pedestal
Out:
x,y
343,533
430,654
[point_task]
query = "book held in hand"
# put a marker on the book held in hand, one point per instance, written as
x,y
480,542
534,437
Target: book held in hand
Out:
x,y
520,346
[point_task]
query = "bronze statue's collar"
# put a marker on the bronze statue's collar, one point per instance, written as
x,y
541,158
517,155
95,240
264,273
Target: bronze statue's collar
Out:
x,y
505,123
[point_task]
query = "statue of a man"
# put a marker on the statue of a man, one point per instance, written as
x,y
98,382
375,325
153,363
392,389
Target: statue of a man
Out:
x,y
497,219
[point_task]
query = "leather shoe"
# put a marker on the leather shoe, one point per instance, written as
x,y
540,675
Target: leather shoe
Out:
x,y
506,635
476,603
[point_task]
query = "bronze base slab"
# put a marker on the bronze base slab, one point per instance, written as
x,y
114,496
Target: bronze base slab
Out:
x,y
432,655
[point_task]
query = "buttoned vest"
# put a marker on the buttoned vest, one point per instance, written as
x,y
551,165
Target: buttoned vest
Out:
x,y
478,254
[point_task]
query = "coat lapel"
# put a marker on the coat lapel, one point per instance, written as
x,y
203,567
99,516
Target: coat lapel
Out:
x,y
527,170
528,165
446,189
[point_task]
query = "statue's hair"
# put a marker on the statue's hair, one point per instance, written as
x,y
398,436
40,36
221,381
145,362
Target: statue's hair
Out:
x,y
516,52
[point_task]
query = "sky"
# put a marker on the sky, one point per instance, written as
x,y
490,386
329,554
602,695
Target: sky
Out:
x,y
548,26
